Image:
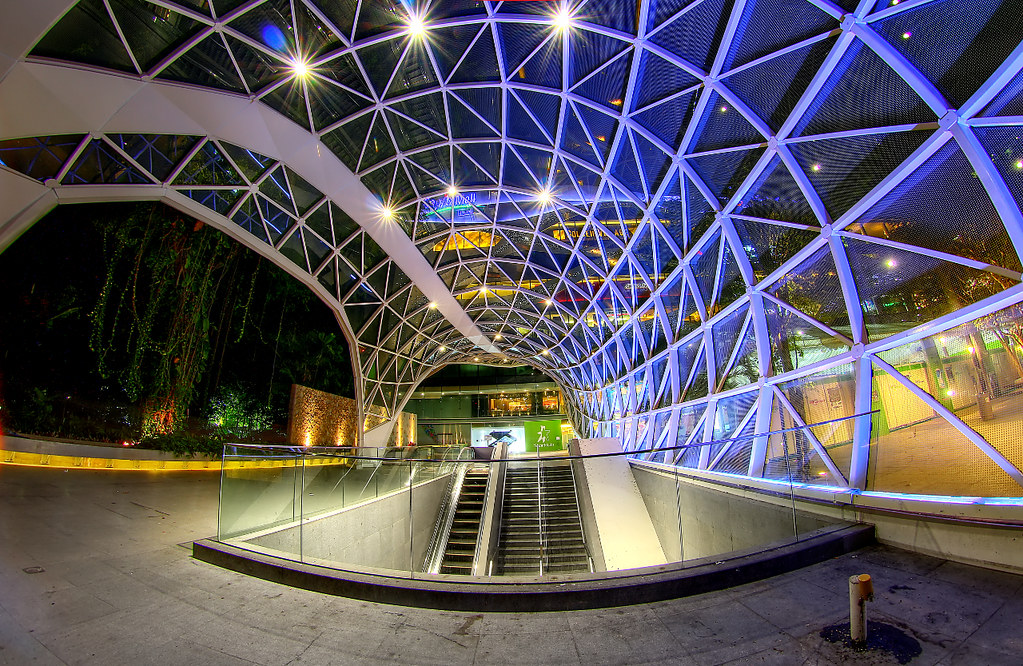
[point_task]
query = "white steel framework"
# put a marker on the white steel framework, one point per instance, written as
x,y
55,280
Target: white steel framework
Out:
x,y
704,219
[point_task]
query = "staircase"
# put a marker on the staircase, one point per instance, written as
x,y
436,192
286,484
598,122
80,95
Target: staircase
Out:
x,y
465,527
526,493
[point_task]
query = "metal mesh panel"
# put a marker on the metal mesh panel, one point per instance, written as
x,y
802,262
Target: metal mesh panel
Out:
x,y
943,206
900,290
914,450
975,38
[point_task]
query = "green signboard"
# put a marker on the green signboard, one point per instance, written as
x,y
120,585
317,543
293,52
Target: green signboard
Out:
x,y
543,436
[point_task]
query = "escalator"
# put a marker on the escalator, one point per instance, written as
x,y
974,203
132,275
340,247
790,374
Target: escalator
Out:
x,y
465,526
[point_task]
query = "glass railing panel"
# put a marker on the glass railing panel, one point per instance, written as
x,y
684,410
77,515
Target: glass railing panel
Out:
x,y
261,494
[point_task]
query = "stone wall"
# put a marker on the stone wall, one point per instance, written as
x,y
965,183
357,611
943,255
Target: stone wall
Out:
x,y
317,418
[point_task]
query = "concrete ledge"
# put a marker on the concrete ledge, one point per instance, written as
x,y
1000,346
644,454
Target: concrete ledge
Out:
x,y
513,594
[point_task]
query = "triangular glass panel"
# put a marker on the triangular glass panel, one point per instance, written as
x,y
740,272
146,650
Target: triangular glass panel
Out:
x,y
415,72
41,157
275,187
768,246
908,437
658,79
208,63
696,34
730,283
521,125
671,298
843,170
259,69
724,172
270,24
154,32
220,201
379,146
449,44
607,87
247,217
464,123
575,141
1009,102
289,99
705,264
328,278
723,126
725,334
276,220
776,196
700,216
380,61
790,23
883,97
813,288
655,162
346,141
669,120
545,109
899,290
599,125
626,168
734,456
543,68
795,342
294,249
789,73
209,167
100,163
252,164
984,39
486,155
85,34
745,369
518,40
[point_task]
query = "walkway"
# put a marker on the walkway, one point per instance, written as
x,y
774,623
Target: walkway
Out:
x,y
94,569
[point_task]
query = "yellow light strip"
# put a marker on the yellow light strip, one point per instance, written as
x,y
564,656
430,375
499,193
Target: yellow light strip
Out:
x,y
76,462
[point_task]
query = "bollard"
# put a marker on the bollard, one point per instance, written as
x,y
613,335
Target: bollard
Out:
x,y
861,590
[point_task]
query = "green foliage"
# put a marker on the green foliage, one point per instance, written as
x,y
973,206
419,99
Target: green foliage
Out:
x,y
185,444
234,411
164,275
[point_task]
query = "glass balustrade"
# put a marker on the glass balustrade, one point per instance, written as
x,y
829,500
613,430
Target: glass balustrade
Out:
x,y
447,511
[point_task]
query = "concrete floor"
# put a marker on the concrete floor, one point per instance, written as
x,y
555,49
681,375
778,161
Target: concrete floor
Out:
x,y
95,569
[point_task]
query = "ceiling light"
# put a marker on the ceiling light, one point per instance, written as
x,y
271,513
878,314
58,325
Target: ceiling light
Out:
x,y
544,196
433,306
452,191
548,301
387,213
497,337
890,263
299,67
562,19
415,26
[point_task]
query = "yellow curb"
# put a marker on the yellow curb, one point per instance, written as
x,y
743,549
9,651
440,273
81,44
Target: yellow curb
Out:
x,y
79,462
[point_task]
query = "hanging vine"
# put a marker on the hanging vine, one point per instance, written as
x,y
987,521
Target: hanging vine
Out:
x,y
151,325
